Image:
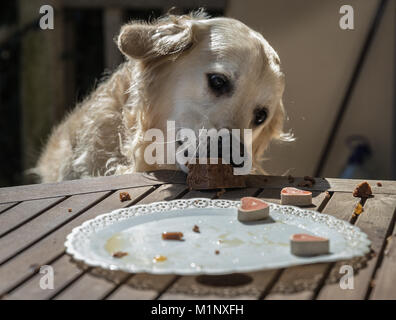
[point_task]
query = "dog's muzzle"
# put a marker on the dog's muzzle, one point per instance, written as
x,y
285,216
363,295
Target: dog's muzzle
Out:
x,y
236,163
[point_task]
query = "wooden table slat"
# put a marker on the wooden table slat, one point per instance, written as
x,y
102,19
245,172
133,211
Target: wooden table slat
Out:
x,y
139,179
13,272
248,291
295,276
30,232
6,206
154,284
24,211
88,287
64,273
384,282
237,194
98,184
375,220
164,193
322,184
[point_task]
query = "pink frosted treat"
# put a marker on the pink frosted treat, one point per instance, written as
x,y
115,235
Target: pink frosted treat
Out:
x,y
252,209
297,197
308,245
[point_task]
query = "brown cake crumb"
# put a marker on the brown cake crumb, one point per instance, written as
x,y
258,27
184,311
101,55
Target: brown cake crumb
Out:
x,y
119,254
327,195
363,190
35,267
311,179
220,192
69,210
308,182
379,184
305,184
124,196
172,236
196,229
217,252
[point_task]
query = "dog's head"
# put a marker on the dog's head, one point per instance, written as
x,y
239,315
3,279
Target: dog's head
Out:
x,y
210,73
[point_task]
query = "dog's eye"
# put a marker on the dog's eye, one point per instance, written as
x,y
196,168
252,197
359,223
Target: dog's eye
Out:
x,y
218,83
260,115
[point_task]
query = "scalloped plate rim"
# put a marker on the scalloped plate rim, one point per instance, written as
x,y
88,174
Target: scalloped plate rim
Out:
x,y
96,263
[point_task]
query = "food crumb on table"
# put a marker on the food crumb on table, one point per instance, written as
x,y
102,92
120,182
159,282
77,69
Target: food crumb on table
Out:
x,y
35,267
308,182
124,196
69,210
358,210
196,229
362,190
327,195
220,192
217,252
305,184
379,184
311,179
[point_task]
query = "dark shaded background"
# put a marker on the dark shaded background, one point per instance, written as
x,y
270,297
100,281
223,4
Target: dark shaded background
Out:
x,y
88,60
339,92
10,161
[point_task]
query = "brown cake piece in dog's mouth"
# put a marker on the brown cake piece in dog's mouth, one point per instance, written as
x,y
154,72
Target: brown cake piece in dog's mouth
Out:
x,y
213,176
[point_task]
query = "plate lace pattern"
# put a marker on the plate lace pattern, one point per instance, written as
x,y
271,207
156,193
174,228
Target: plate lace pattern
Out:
x,y
77,243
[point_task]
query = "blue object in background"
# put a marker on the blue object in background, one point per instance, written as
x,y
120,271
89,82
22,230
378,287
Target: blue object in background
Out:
x,y
360,153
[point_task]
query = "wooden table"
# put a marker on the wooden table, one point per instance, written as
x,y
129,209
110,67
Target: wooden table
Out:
x,y
35,220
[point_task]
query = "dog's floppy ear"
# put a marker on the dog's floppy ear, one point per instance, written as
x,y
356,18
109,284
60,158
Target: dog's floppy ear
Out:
x,y
144,41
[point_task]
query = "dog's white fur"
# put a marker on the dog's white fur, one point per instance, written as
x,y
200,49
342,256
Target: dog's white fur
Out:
x,y
164,78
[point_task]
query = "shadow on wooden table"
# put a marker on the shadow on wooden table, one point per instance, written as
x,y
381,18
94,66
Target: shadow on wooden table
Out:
x,y
248,285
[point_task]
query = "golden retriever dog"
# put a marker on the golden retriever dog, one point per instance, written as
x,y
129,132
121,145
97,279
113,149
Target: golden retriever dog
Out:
x,y
198,71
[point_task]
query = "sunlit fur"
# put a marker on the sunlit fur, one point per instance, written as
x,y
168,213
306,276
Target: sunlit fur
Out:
x,y
164,78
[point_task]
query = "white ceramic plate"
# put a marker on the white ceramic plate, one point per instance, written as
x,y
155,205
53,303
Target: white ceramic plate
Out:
x,y
243,247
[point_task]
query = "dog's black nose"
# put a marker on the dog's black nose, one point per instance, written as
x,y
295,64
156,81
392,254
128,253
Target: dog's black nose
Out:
x,y
220,146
